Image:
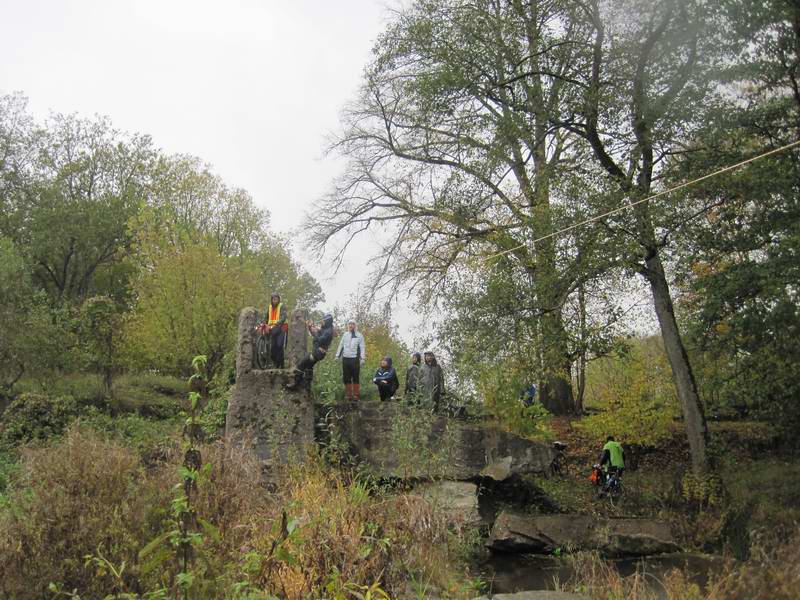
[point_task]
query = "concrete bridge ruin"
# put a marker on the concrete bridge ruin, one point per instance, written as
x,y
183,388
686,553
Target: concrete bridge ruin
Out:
x,y
391,439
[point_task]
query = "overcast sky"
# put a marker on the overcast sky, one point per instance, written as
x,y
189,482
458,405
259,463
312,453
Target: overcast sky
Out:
x,y
250,86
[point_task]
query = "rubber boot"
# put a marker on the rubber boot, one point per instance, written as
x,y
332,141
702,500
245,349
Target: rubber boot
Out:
x,y
356,391
348,391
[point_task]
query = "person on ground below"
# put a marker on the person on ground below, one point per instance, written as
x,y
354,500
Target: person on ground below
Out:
x,y
321,338
353,353
412,377
386,379
528,395
277,328
612,457
431,381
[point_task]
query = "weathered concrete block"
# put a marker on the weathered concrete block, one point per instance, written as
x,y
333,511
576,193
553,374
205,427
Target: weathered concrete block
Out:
x,y
457,499
297,344
396,440
278,423
542,534
245,352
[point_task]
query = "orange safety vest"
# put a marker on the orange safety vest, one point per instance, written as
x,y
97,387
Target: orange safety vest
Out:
x,y
274,314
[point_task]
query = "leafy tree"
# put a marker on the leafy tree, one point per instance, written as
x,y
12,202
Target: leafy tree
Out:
x,y
188,304
188,205
647,77
70,209
189,202
27,334
740,260
101,335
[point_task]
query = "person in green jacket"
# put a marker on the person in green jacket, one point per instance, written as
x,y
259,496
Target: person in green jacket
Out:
x,y
612,456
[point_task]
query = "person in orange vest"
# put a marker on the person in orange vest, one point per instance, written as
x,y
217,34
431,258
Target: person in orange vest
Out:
x,y
277,328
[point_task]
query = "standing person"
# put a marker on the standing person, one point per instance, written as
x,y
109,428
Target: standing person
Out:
x,y
277,328
412,377
353,353
431,380
386,379
321,338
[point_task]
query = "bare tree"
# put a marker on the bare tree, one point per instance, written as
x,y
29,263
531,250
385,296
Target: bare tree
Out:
x,y
453,156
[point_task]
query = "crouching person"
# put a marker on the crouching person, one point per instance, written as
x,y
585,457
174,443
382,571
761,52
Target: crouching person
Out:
x,y
386,379
321,338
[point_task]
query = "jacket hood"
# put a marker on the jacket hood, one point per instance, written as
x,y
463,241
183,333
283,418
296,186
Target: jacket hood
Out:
x,y
327,320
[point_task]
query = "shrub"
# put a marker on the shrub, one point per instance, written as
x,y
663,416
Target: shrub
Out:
x,y
149,395
83,496
151,438
635,391
36,418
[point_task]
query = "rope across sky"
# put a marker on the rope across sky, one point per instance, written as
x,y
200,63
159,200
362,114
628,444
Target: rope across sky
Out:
x,y
663,193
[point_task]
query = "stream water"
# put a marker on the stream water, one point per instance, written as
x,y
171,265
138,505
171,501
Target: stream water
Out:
x,y
508,573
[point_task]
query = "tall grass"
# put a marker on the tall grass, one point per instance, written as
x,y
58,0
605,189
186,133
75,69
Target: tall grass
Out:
x,y
79,512
773,573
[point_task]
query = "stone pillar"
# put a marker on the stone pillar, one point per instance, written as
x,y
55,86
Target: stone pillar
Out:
x,y
276,423
297,344
245,354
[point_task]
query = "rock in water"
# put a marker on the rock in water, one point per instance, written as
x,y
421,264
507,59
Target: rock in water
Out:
x,y
456,499
612,537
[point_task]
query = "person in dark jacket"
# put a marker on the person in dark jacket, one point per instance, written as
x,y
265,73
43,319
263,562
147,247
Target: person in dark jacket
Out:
x,y
386,379
412,377
321,338
431,381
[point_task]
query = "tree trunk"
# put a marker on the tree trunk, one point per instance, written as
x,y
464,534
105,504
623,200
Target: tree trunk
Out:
x,y
581,366
555,391
693,413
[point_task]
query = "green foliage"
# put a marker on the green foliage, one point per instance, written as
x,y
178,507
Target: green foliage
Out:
x,y
500,387
28,337
76,183
149,394
188,303
635,394
213,415
151,438
100,335
36,418
8,470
